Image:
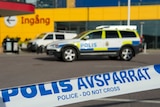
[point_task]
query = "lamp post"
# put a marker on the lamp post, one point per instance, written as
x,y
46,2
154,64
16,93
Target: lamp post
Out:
x,y
129,5
119,3
141,26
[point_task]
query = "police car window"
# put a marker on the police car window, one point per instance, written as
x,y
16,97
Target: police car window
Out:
x,y
95,35
112,34
59,36
127,34
49,37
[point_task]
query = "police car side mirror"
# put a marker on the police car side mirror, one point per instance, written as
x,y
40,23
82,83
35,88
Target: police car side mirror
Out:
x,y
85,38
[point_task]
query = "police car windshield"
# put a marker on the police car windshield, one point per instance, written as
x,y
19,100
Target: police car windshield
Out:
x,y
80,35
40,36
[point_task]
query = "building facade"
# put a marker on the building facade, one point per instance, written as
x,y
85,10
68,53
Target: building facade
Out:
x,y
68,15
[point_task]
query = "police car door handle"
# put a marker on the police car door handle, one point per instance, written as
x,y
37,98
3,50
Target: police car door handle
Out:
x,y
107,43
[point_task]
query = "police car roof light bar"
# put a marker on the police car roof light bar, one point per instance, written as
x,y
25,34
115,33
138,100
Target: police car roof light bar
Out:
x,y
117,27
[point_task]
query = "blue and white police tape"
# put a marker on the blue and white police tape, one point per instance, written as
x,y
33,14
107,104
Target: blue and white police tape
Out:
x,y
68,91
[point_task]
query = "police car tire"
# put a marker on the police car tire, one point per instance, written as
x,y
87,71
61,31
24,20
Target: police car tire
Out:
x,y
42,48
69,54
126,53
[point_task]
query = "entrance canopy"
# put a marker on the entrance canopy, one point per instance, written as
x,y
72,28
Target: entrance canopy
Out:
x,y
15,8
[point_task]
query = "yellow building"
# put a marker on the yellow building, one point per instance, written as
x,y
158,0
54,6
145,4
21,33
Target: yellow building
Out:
x,y
79,19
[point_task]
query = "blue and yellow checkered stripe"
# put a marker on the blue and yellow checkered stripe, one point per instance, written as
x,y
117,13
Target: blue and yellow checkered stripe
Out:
x,y
101,49
134,43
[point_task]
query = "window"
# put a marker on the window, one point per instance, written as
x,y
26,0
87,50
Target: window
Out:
x,y
59,36
112,34
127,34
49,37
77,27
95,35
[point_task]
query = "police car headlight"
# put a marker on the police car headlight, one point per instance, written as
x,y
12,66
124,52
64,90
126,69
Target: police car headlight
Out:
x,y
33,43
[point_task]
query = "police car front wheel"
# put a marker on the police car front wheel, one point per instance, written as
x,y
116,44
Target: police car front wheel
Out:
x,y
69,54
126,54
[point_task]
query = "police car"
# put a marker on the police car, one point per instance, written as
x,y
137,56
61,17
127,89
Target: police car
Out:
x,y
121,42
45,38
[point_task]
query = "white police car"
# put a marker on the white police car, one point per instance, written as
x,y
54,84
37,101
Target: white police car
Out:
x,y
45,38
121,42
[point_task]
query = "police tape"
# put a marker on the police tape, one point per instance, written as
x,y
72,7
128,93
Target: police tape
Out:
x,y
74,90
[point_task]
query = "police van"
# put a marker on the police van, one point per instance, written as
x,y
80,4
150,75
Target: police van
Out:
x,y
117,42
45,38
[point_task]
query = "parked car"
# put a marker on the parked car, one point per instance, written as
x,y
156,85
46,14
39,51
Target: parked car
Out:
x,y
45,38
121,42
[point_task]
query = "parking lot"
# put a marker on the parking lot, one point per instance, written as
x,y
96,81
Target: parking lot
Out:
x,y
30,68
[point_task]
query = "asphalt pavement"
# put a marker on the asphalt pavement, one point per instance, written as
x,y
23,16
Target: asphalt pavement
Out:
x,y
29,68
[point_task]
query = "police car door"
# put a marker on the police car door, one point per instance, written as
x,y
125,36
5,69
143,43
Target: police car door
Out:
x,y
91,43
48,39
113,41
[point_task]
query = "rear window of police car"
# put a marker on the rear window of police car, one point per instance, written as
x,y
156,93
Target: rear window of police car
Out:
x,y
59,36
127,34
112,34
